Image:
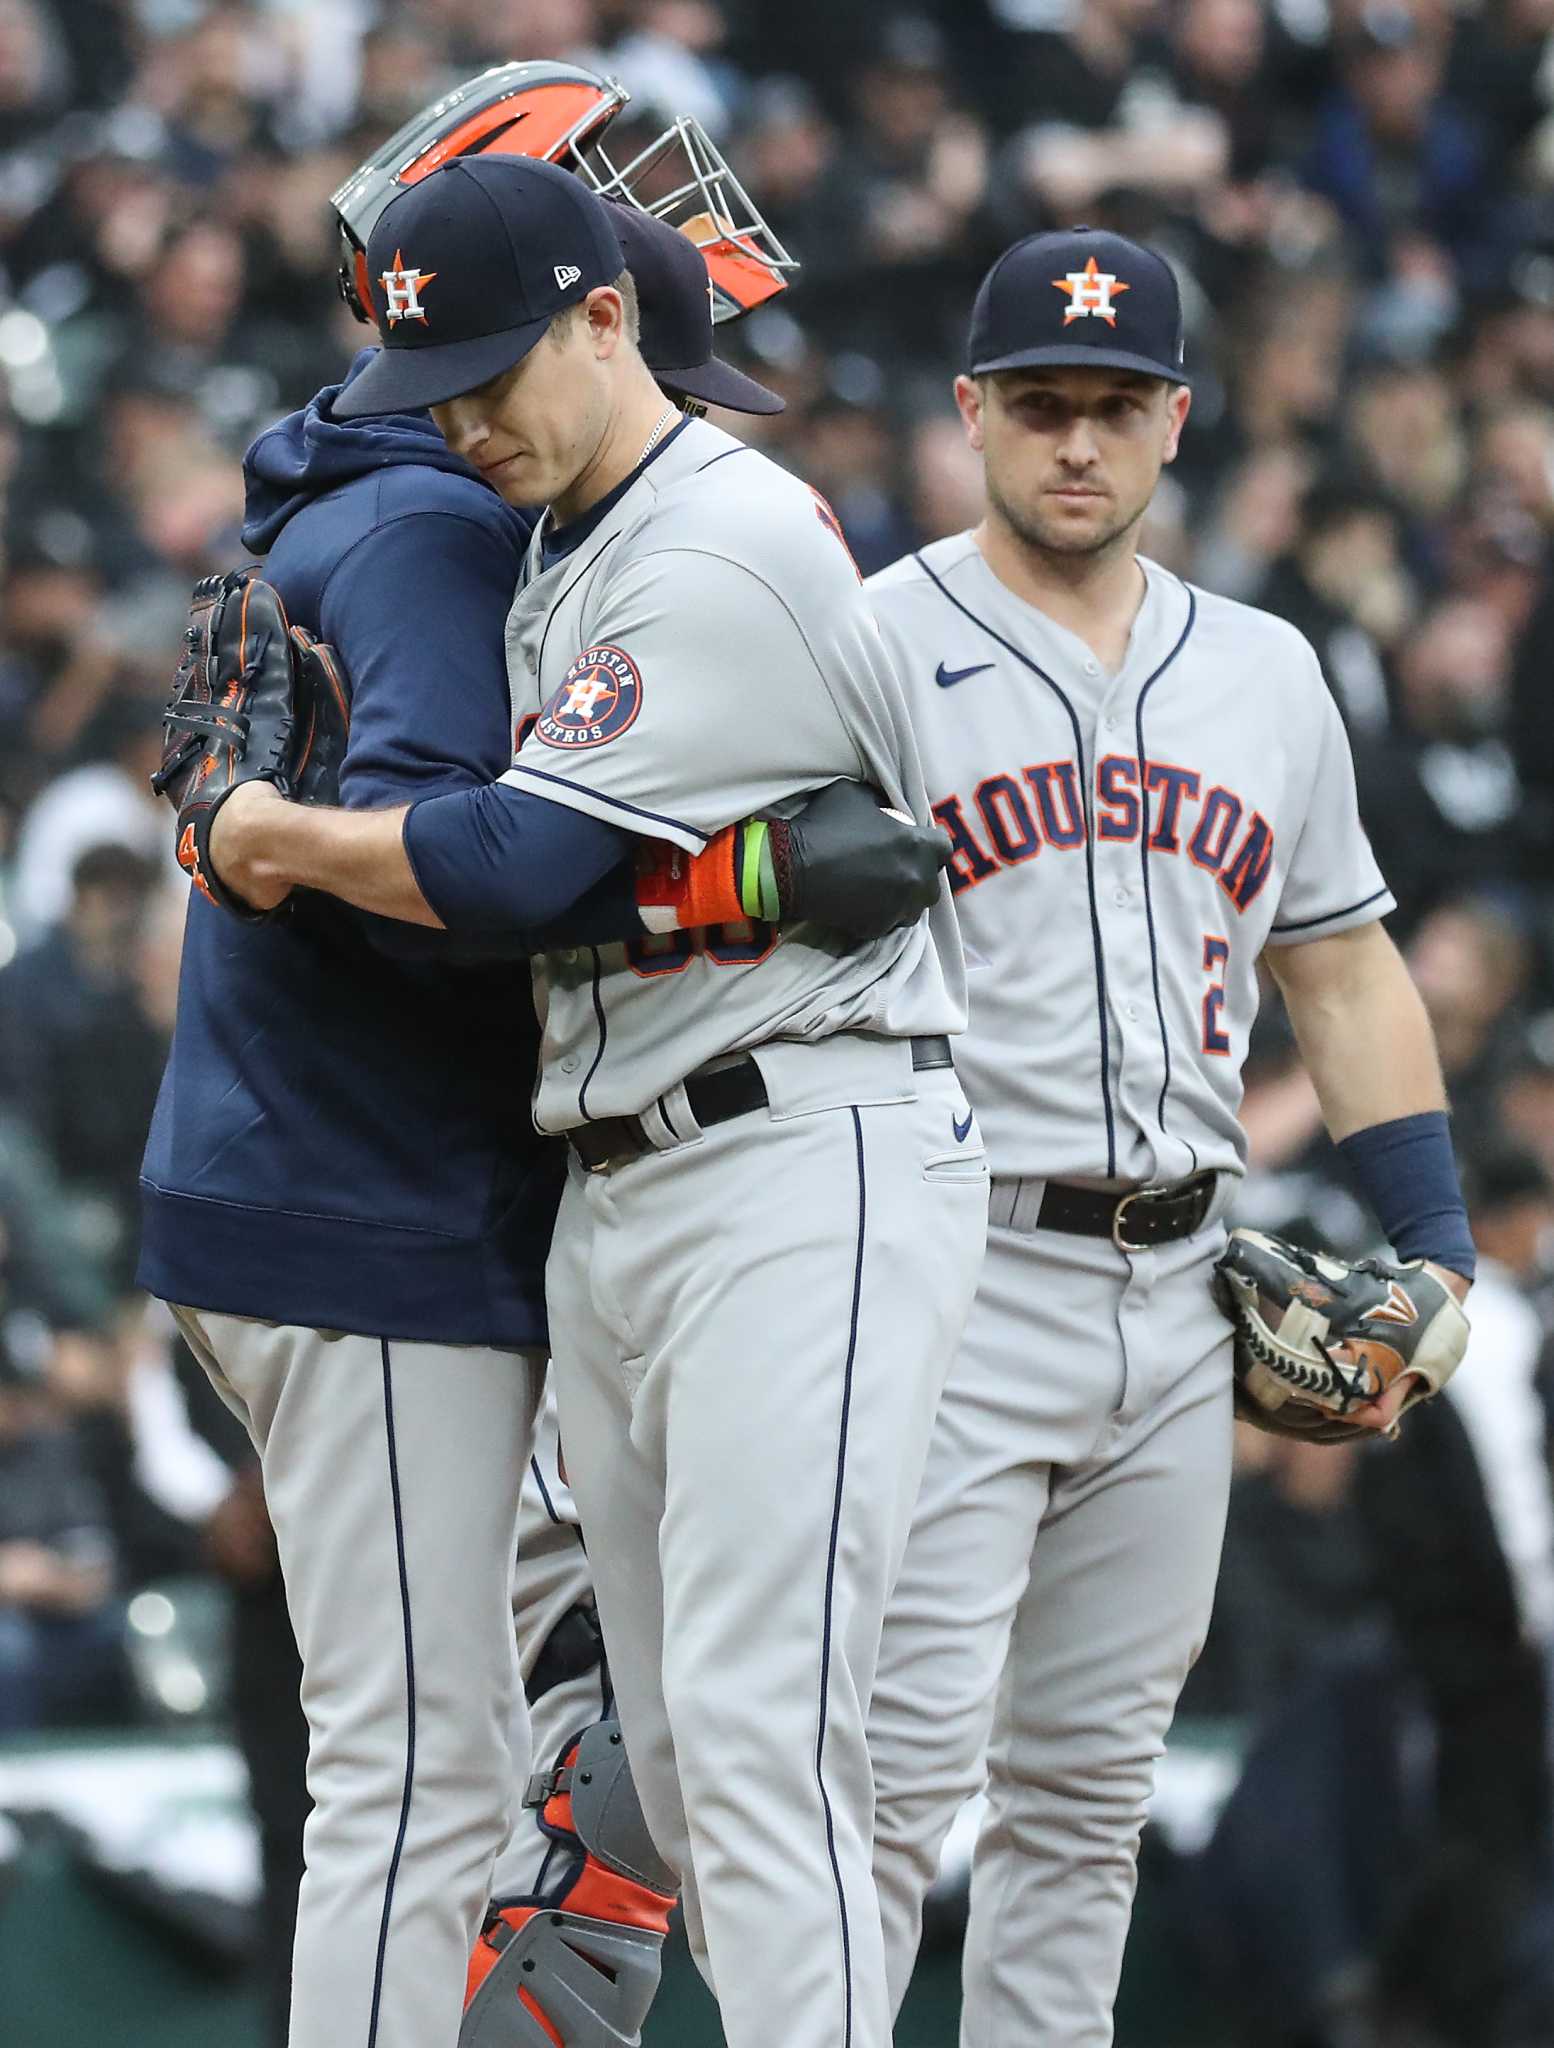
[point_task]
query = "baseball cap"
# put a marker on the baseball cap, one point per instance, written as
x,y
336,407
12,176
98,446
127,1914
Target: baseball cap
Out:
x,y
467,270
674,296
1078,296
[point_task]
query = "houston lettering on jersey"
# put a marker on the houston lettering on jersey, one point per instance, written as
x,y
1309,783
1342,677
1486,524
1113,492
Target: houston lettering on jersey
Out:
x,y
1010,818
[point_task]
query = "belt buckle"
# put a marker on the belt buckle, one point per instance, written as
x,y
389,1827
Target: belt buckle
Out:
x,y
1150,1188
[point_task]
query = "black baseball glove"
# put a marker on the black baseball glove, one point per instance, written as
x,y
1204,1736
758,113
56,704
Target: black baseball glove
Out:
x,y
254,700
1317,1337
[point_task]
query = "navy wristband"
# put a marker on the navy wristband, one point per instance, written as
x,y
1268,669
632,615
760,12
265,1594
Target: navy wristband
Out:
x,y
1407,1172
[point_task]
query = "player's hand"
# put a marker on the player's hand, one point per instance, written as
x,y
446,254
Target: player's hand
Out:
x,y
1383,1414
848,862
241,845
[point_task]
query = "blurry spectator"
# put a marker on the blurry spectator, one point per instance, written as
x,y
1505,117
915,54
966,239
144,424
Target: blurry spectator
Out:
x,y
1397,157
1509,343
1343,584
107,801
903,201
1513,457
211,84
917,167
1404,427
79,1059
1220,52
1253,521
1511,1190
1531,732
1524,1100
1297,1585
1441,802
1285,376
785,150
946,480
61,1651
1470,961
54,663
849,455
670,53
1097,112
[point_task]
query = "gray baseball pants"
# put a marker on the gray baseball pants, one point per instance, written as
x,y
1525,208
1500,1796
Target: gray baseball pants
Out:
x,y
750,1334
1056,1588
392,1473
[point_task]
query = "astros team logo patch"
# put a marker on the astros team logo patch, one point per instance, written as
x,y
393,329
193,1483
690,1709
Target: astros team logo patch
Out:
x,y
1090,293
597,700
403,288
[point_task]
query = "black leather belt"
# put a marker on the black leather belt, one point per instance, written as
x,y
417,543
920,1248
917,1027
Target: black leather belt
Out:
x,y
1135,1221
734,1090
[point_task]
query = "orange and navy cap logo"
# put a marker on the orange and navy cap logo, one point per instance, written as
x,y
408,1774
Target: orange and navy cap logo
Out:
x,y
597,699
402,290
1091,291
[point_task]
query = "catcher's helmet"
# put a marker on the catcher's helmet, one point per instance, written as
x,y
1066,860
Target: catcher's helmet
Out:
x,y
551,111
559,112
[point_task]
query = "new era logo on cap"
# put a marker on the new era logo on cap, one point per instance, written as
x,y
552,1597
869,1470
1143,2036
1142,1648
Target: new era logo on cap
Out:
x,y
1121,308
565,274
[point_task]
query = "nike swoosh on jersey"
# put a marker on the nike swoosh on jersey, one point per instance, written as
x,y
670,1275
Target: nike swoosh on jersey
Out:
x,y
946,678
962,1130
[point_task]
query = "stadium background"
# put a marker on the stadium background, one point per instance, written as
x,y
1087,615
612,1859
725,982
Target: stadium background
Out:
x,y
1359,200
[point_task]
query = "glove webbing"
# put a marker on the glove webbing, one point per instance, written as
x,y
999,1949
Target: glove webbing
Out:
x,y
1351,1381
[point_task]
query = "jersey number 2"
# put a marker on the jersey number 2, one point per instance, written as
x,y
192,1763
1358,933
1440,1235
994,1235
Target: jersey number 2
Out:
x,y
1216,951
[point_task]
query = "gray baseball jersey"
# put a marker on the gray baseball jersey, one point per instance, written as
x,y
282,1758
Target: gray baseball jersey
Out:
x,y
1125,847
1144,834
707,653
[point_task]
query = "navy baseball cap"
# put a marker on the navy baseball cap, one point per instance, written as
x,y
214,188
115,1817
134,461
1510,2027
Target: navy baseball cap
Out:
x,y
1078,296
468,268
674,297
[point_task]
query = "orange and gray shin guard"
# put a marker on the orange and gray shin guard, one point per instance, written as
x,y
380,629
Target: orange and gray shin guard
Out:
x,y
576,1963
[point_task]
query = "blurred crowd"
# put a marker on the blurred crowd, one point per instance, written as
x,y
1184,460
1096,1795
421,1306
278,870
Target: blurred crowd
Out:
x,y
1358,196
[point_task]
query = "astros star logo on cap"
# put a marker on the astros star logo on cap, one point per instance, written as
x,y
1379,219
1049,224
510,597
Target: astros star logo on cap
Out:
x,y
1091,291
403,290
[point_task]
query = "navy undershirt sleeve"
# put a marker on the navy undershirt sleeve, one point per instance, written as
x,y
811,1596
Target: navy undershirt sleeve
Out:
x,y
499,860
430,711
1407,1172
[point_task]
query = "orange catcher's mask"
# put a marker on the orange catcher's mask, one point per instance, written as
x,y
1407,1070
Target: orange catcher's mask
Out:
x,y
559,113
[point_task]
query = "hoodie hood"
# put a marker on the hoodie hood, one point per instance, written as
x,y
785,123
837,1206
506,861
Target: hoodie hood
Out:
x,y
311,452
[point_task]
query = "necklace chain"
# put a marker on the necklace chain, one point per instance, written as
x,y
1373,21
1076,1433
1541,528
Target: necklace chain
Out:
x,y
652,441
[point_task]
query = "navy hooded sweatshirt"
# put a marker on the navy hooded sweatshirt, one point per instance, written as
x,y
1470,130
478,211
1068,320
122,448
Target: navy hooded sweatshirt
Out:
x,y
343,1137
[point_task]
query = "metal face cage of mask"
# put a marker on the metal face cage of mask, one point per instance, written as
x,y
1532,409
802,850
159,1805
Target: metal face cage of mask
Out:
x,y
559,113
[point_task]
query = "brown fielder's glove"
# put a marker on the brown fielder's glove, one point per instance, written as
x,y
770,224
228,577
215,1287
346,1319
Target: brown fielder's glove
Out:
x,y
254,700
1317,1337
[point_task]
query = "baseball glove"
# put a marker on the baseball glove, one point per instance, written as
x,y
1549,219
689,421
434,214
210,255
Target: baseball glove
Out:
x,y
1317,1337
254,700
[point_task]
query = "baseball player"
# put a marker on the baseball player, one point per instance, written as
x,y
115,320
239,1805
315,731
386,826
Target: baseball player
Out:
x,y
344,1195
776,1196
1149,792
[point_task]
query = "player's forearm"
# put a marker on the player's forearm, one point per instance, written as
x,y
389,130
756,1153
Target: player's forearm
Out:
x,y
1369,1049
263,848
1362,1029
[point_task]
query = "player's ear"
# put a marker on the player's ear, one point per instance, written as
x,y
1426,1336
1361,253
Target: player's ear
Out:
x,y
1178,405
605,312
969,392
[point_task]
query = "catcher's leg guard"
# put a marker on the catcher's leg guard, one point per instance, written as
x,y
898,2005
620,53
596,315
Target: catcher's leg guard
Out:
x,y
576,1963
